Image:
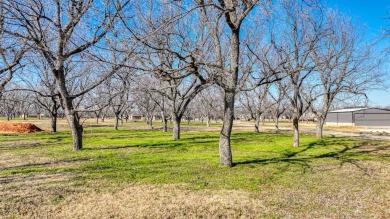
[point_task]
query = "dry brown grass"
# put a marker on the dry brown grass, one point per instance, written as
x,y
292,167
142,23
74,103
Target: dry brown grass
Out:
x,y
357,190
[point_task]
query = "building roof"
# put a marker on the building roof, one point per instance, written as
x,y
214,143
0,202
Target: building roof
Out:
x,y
347,110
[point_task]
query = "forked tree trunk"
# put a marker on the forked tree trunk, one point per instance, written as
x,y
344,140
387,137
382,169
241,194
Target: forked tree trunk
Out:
x,y
54,122
225,151
176,127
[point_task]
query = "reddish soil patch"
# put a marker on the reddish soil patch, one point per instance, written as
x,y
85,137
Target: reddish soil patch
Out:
x,y
18,127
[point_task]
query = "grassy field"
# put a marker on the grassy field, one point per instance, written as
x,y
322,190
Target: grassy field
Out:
x,y
139,172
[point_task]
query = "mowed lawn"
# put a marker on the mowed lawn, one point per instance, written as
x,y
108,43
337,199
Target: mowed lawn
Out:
x,y
137,172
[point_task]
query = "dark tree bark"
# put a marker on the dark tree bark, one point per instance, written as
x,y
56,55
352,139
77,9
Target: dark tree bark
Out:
x,y
176,119
54,123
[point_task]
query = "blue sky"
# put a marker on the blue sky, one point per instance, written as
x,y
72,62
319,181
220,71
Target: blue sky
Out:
x,y
372,14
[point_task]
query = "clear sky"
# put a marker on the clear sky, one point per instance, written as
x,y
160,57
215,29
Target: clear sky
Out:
x,y
372,14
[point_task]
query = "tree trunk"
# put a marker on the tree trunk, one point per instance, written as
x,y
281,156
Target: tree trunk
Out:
x,y
77,131
176,127
257,123
225,152
165,126
54,122
320,127
70,113
296,131
116,122
277,124
164,122
208,121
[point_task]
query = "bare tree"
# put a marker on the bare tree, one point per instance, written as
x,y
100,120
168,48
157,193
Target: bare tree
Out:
x,y
57,30
255,102
209,104
345,65
297,35
279,102
12,50
118,88
173,53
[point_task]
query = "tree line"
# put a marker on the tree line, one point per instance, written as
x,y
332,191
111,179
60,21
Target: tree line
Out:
x,y
182,59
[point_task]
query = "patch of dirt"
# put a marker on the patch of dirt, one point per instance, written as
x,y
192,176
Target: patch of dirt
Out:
x,y
18,127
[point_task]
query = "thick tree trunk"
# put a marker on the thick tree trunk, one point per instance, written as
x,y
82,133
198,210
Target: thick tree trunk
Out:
x,y
296,131
165,126
208,121
176,127
225,152
70,113
116,122
77,131
54,122
320,127
164,122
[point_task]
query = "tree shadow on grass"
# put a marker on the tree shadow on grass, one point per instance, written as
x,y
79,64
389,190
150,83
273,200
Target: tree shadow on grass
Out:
x,y
146,145
349,154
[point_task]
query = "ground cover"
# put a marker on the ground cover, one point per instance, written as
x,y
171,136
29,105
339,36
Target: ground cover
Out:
x,y
140,172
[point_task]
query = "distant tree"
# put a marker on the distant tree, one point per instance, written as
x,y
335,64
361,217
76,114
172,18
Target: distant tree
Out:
x,y
279,103
345,65
255,102
299,30
63,32
174,51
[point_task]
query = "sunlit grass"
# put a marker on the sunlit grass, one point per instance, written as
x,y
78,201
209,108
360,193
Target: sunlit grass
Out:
x,y
150,156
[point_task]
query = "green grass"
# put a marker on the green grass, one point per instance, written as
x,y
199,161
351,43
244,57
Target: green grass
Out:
x,y
119,174
151,157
